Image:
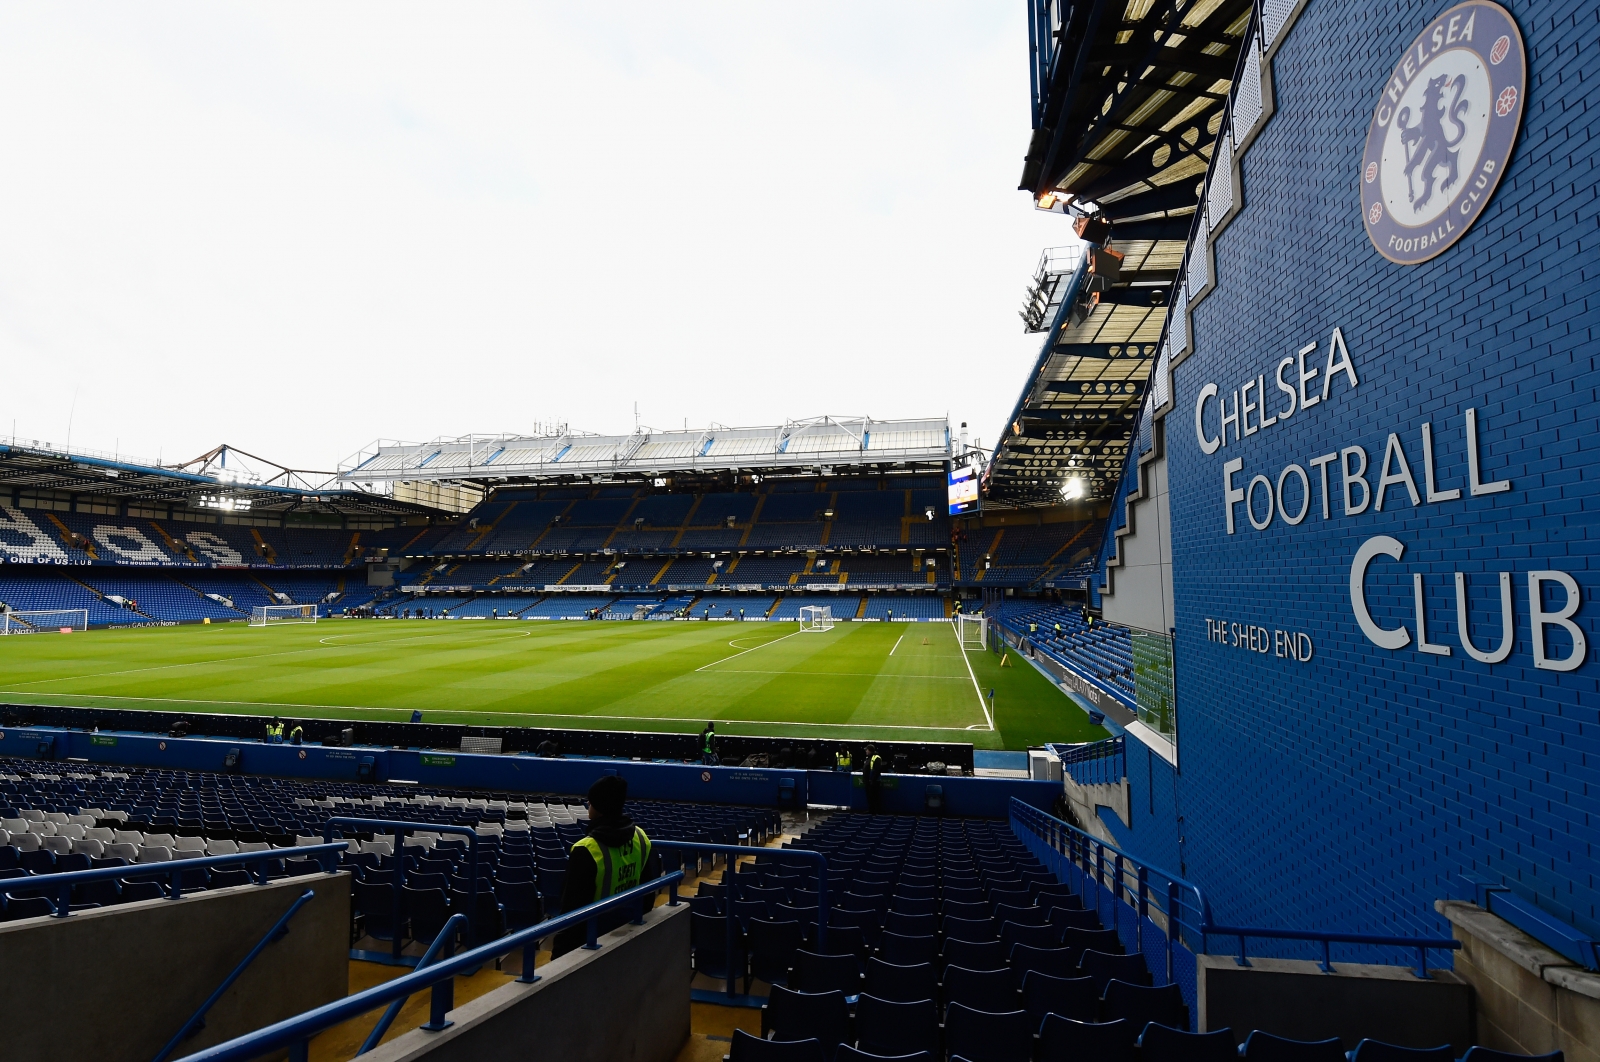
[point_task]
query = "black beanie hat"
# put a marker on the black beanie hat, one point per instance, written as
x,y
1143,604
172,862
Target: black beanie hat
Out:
x,y
606,796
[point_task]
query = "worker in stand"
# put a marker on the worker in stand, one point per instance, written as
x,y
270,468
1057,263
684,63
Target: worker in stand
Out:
x,y
872,779
615,856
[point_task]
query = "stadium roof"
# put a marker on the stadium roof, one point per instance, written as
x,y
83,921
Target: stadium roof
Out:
x,y
1128,96
222,479
820,444
1127,99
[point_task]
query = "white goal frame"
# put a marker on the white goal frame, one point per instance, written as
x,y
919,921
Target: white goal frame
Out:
x,y
972,630
43,621
816,618
267,615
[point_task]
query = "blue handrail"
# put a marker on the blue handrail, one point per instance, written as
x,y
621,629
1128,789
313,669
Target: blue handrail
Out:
x,y
1107,868
198,1019
61,884
733,851
294,1034
442,941
1088,854
401,828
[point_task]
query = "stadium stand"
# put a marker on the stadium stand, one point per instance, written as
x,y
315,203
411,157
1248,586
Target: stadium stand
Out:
x,y
862,532
903,607
1102,653
567,606
129,816
727,605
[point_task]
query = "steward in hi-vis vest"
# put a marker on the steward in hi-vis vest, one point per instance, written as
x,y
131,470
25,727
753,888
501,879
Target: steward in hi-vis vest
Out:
x,y
275,732
872,779
613,858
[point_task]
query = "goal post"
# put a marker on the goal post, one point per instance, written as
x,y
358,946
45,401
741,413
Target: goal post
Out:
x,y
44,621
268,615
816,618
972,630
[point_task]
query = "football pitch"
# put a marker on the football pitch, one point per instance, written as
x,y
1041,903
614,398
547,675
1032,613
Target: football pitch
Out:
x,y
898,681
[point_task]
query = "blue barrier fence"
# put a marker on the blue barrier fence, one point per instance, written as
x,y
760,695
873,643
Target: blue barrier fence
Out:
x,y
1097,763
1161,916
294,1034
57,888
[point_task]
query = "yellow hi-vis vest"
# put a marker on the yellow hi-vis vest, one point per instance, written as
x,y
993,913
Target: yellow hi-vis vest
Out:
x,y
616,869
842,759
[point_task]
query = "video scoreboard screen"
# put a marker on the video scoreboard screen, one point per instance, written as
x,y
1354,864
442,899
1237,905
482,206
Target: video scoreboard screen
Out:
x,y
963,490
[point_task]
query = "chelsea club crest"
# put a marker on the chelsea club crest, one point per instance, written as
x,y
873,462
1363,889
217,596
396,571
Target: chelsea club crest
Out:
x,y
1442,132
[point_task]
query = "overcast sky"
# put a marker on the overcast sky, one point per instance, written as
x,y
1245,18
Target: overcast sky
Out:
x,y
296,228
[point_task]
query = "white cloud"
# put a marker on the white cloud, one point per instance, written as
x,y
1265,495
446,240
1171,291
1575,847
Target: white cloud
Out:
x,y
297,227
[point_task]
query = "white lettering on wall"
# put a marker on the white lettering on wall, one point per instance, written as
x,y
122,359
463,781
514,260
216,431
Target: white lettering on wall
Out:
x,y
1358,491
1540,618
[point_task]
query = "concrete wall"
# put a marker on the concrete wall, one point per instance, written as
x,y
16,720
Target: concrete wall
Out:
x,y
116,983
1530,999
1296,999
1138,589
627,1002
1087,800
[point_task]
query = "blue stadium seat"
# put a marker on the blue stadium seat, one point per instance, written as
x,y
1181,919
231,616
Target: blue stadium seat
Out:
x,y
982,1036
1067,1040
1264,1047
1158,1043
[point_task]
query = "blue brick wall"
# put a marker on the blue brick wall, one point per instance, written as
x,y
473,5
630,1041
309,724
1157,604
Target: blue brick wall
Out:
x,y
1351,791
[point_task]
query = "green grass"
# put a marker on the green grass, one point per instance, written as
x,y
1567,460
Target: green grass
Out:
x,y
879,680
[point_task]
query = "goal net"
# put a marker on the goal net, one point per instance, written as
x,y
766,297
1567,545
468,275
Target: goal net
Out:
x,y
972,630
267,615
41,621
816,618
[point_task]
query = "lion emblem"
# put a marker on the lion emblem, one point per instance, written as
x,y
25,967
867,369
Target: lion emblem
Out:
x,y
1428,148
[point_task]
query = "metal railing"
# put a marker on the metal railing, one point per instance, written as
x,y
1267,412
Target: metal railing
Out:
x,y
445,942
1167,903
733,852
294,1034
326,855
1097,763
1151,908
198,1019
400,828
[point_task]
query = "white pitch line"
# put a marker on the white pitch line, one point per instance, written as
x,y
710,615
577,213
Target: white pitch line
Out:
x,y
483,712
897,642
962,649
841,674
741,652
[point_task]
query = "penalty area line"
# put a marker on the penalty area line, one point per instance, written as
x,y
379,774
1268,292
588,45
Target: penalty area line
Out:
x,y
741,652
897,642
